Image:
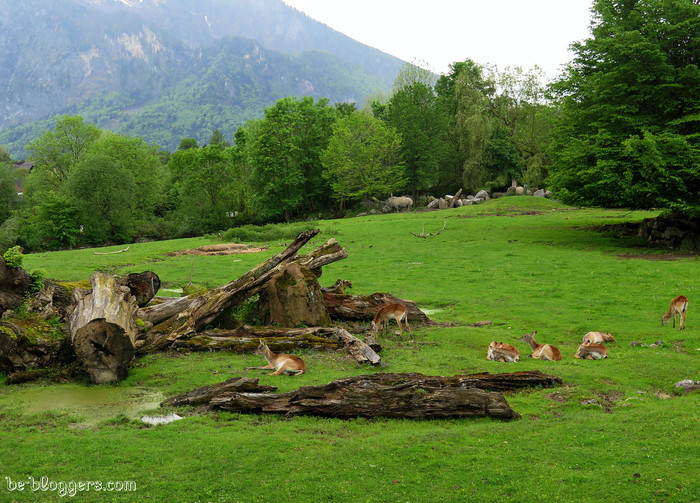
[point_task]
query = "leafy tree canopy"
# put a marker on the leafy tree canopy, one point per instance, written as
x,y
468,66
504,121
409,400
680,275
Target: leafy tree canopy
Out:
x,y
630,120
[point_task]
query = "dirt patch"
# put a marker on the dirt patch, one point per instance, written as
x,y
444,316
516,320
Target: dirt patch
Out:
x,y
659,256
607,400
220,249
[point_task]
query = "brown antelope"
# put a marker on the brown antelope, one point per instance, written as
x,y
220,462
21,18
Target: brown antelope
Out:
x,y
541,351
397,312
502,352
591,351
678,305
598,337
280,362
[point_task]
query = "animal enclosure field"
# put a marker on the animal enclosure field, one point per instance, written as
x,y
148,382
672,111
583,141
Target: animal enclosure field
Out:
x,y
617,430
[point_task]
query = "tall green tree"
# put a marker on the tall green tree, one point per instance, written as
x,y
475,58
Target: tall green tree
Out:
x,y
363,159
56,152
630,118
413,111
286,154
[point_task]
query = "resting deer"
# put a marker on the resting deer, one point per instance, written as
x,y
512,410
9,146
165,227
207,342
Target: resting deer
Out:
x,y
541,351
280,362
502,352
598,337
678,305
397,312
591,351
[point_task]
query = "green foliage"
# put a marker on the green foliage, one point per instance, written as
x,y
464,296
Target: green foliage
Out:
x,y
363,159
265,233
628,134
57,221
38,276
13,257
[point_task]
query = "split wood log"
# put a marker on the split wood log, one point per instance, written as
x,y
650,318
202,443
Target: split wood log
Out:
x,y
365,307
389,395
454,199
103,328
202,309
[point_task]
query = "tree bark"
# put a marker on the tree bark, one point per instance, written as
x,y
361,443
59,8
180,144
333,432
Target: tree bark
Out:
x,y
365,307
143,286
103,328
388,395
14,284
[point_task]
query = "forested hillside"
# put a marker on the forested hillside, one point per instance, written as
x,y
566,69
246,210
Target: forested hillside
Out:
x,y
168,70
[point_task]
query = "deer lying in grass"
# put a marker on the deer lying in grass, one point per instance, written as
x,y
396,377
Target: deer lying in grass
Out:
x,y
598,337
280,362
678,305
397,312
502,352
591,351
541,351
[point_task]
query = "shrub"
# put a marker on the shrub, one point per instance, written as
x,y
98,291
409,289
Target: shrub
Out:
x,y
13,257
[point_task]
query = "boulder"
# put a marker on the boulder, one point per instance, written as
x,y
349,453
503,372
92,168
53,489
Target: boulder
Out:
x,y
482,194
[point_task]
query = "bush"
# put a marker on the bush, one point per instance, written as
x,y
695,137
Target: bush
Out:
x,y
13,257
264,233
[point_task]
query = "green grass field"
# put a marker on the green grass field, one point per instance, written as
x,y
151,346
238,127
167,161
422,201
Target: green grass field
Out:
x,y
524,263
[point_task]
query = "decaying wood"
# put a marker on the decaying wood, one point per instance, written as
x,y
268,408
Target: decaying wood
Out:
x,y
14,284
112,252
388,395
280,340
19,354
338,287
432,235
204,308
202,396
143,286
454,199
103,328
365,307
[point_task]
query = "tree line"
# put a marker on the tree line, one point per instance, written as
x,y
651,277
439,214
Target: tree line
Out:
x,y
619,128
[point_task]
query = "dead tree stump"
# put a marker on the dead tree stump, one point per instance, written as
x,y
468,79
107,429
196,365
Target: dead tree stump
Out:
x,y
103,328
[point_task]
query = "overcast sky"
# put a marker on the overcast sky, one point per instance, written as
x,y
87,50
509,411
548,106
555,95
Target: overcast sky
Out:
x,y
501,32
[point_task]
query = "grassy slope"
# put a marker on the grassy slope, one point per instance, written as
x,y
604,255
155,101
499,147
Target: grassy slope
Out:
x,y
548,272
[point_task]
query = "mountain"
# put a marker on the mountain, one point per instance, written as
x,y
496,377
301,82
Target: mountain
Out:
x,y
168,69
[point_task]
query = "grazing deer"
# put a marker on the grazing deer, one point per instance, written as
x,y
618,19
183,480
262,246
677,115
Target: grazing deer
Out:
x,y
598,337
591,351
541,351
280,362
678,305
397,312
501,352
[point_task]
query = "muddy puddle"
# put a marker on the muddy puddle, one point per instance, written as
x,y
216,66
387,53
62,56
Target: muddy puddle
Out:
x,y
90,404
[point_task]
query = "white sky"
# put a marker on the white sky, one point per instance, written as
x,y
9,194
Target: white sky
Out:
x,y
439,32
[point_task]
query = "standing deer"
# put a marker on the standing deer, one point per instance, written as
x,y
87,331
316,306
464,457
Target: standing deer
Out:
x,y
397,312
598,337
591,351
541,351
503,352
678,305
280,362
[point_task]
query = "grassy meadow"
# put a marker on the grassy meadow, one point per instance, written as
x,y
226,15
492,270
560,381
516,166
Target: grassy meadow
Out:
x,y
617,430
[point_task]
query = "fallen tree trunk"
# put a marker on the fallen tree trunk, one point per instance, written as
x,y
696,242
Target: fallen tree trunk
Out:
x,y
103,328
203,395
202,309
280,340
365,307
388,395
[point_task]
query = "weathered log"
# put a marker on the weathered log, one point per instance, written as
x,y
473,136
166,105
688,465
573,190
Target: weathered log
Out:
x,y
388,395
365,307
454,199
18,353
103,328
203,395
14,284
338,287
204,308
143,286
280,340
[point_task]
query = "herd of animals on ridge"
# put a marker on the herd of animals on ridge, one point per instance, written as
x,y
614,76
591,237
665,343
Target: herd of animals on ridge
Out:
x,y
591,348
